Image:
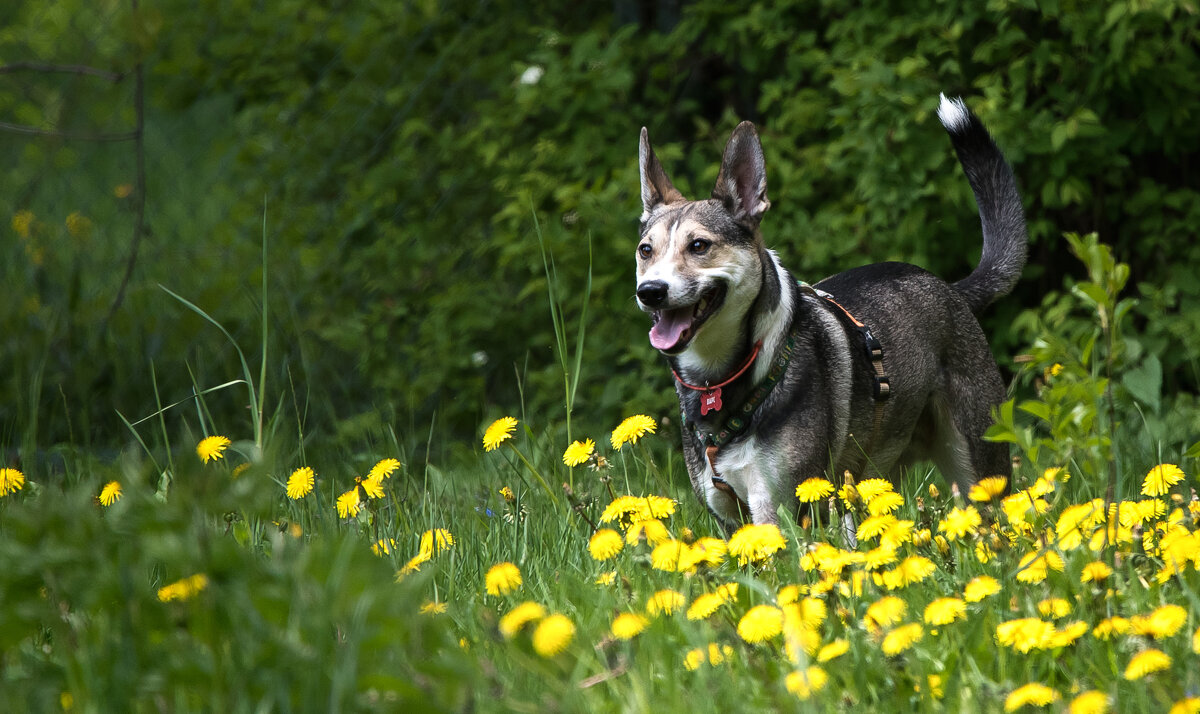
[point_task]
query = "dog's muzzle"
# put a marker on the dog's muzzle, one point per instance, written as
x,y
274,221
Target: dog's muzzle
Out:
x,y
652,293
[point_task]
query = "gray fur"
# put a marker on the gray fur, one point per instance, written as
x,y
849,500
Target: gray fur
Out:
x,y
818,419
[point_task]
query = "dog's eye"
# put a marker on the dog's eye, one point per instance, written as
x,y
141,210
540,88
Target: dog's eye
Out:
x,y
645,250
699,246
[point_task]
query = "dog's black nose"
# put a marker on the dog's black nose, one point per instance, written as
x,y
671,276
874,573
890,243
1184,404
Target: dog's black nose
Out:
x,y
652,293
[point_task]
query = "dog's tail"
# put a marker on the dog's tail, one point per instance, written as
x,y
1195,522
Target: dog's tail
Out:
x,y
1005,241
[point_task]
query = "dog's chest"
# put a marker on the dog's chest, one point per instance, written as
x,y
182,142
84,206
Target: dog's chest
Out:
x,y
750,470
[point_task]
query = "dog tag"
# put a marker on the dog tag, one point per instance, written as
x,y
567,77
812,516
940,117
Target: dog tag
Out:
x,y
710,401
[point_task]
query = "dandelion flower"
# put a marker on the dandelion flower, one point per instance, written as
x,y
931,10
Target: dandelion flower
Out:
x,y
183,589
373,487
803,683
945,610
960,522
348,504
872,487
500,431
1038,695
1196,641
1095,571
605,544
433,608
1025,634
1090,702
885,503
632,429
814,489
1054,607
502,579
876,525
507,494
885,611
300,483
1187,705
755,543
1110,626
1163,622
665,602
436,540
1067,636
652,530
987,489
667,555
713,654
553,634
212,447
911,570
413,565
981,587
578,452
384,469
833,650
705,551
607,578
902,638
704,606
383,546
760,623
1035,566
1147,662
110,494
1160,480
521,615
628,625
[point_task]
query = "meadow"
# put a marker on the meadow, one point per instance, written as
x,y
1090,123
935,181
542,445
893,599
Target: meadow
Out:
x,y
249,567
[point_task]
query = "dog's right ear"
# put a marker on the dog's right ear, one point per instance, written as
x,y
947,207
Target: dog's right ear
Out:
x,y
742,181
656,187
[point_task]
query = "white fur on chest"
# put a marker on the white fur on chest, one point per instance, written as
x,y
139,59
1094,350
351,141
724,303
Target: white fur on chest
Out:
x,y
753,473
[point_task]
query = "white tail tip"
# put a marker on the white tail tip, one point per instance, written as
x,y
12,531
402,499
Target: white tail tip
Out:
x,y
953,113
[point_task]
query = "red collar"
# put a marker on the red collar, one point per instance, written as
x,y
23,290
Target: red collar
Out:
x,y
742,370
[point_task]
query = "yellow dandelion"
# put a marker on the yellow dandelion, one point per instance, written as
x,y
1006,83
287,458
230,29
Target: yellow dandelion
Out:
x,y
212,447
987,489
498,432
1196,641
384,469
349,504
885,503
1187,705
755,543
383,546
1035,566
833,650
632,429
1090,702
651,529
981,587
1054,607
413,565
1106,628
300,483
666,556
521,615
433,608
183,589
607,578
1095,571
960,522
1160,480
1147,662
665,602
502,579
884,612
373,487
1067,636
436,540
1164,621
901,638
713,655
578,452
922,537
507,494
22,222
628,625
1025,634
897,534
553,634
705,551
1034,693
945,610
911,570
804,683
872,487
760,623
814,489
110,494
876,525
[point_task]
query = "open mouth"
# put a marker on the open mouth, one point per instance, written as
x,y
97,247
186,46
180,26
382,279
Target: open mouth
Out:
x,y
675,327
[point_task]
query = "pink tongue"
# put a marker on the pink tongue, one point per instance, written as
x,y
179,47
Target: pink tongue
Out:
x,y
670,328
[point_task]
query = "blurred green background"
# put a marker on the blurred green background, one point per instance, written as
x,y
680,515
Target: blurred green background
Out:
x,y
394,155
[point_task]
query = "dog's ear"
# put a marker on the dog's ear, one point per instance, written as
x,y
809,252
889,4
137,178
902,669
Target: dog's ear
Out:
x,y
742,182
656,187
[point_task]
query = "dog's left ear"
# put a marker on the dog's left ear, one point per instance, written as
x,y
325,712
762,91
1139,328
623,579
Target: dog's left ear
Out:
x,y
742,183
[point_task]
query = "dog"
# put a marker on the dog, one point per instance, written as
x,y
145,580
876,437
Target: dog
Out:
x,y
864,372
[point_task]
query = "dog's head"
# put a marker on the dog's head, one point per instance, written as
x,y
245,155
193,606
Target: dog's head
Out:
x,y
699,263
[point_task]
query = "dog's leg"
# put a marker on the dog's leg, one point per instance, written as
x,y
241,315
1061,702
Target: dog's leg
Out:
x,y
963,415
